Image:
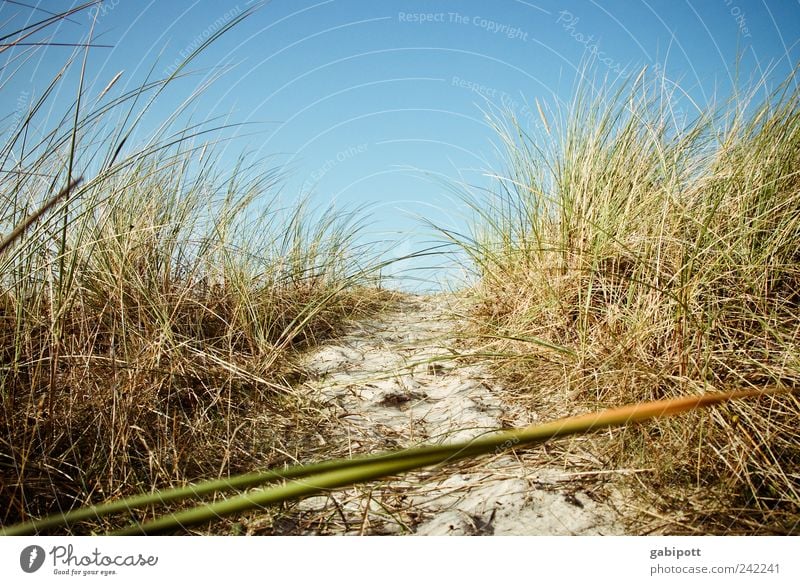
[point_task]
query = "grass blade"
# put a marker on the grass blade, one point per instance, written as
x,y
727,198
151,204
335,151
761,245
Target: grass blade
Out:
x,y
306,480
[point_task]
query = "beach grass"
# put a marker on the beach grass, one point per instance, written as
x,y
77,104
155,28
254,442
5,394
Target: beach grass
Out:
x,y
153,297
631,253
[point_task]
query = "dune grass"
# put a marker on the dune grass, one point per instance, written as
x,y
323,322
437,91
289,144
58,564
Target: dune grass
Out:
x,y
150,312
309,479
628,254
151,304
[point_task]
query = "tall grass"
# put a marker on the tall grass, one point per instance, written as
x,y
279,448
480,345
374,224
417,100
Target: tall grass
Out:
x,y
303,480
149,315
627,255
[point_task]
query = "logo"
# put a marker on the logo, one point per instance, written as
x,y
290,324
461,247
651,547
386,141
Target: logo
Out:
x,y
31,558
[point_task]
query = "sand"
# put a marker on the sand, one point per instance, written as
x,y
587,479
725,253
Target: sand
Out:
x,y
393,382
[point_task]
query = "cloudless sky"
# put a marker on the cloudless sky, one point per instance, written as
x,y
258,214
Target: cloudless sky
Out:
x,y
383,102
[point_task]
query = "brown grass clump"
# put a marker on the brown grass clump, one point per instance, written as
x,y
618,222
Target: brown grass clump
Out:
x,y
149,319
629,257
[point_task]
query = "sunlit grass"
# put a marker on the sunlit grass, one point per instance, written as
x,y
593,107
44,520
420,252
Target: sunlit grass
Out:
x,y
627,256
152,303
306,480
149,315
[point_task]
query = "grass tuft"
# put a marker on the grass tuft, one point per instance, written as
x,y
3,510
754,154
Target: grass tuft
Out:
x,y
626,256
149,320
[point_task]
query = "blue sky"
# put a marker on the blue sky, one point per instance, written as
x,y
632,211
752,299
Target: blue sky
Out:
x,y
382,103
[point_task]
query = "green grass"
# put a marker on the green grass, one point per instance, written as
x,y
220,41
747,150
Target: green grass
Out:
x,y
627,256
152,303
150,315
305,480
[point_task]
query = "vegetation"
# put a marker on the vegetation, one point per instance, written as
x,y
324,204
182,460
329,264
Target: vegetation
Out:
x,y
305,480
151,305
630,255
149,313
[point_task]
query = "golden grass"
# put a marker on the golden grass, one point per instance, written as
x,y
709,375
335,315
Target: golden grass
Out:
x,y
625,257
148,322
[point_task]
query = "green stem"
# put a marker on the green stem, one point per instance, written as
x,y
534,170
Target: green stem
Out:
x,y
306,480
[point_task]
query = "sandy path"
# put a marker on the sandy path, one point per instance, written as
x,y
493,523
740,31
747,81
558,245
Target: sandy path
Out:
x,y
392,383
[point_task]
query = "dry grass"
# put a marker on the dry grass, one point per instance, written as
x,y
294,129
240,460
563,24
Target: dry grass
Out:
x,y
626,257
149,320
